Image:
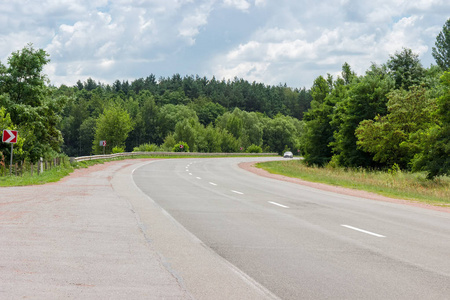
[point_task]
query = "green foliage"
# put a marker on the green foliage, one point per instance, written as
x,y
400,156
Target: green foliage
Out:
x,y
156,106
147,148
170,115
383,119
246,127
113,126
319,90
366,99
149,114
392,138
441,52
181,147
280,133
406,69
86,135
207,111
324,117
118,150
30,104
186,130
228,143
435,142
209,139
5,149
169,143
254,149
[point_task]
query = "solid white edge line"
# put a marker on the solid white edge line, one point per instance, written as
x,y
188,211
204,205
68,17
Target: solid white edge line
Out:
x,y
237,192
278,204
364,231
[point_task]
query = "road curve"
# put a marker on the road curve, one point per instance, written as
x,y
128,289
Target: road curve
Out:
x,y
295,242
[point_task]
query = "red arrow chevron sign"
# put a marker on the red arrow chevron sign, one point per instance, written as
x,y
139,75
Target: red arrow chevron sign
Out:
x,y
9,136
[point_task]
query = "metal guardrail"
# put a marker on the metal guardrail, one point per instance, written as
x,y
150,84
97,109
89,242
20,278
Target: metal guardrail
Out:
x,y
125,154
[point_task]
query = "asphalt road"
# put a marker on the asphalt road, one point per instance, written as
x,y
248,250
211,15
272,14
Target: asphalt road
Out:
x,y
303,243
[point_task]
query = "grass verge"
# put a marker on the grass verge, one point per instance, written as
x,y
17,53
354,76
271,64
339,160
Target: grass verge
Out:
x,y
52,175
394,184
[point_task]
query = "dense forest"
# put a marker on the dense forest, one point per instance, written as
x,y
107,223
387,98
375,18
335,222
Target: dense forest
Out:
x,y
395,116
209,115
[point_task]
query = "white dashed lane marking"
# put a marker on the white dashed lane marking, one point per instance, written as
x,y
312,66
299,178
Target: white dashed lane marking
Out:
x,y
278,204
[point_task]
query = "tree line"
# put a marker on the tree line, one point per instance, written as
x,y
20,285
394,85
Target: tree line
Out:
x,y
394,116
208,115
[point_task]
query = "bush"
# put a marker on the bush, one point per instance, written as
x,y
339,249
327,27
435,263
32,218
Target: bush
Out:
x,y
254,149
181,147
169,143
147,148
118,150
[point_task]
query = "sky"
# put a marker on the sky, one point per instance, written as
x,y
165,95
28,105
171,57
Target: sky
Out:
x,y
268,41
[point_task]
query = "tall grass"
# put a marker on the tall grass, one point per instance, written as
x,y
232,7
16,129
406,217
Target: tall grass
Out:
x,y
393,183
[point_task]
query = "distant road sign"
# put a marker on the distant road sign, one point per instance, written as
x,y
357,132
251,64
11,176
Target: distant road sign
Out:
x,y
9,136
181,146
103,143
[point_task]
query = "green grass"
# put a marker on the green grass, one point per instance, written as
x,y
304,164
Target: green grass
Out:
x,y
52,175
397,184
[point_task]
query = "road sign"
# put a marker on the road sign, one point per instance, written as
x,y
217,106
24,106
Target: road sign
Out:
x,y
9,136
103,143
181,146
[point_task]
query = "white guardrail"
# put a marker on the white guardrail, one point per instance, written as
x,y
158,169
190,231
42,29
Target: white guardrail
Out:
x,y
125,154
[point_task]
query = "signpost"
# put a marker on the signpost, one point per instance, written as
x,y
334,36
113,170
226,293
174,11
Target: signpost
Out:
x,y
10,136
103,144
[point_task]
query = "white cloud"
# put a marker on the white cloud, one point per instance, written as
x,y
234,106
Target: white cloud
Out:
x,y
189,27
404,34
367,36
260,3
272,41
238,4
253,71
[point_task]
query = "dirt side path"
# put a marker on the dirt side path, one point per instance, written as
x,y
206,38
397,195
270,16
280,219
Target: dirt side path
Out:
x,y
250,166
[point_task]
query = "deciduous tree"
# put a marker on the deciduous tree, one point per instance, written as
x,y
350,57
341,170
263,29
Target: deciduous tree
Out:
x,y
441,52
29,102
435,156
113,126
391,138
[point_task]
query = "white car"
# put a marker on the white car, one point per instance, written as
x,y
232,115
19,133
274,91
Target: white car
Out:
x,y
288,154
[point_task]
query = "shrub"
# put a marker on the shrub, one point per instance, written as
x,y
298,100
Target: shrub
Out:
x,y
118,150
146,148
169,143
254,149
181,147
